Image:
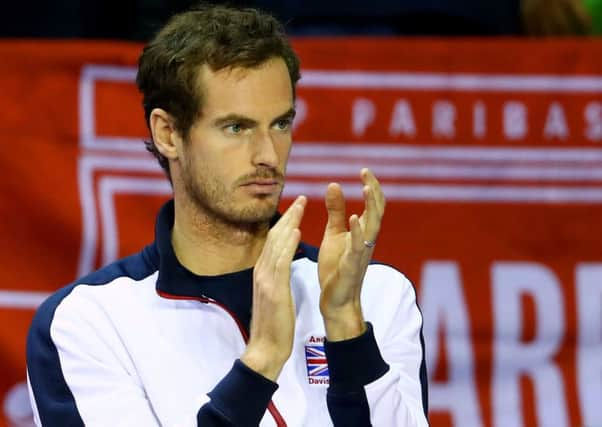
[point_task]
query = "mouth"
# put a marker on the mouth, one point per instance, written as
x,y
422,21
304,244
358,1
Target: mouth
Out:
x,y
262,186
262,181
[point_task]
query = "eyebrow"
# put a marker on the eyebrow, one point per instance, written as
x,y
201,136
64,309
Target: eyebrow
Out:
x,y
289,115
247,121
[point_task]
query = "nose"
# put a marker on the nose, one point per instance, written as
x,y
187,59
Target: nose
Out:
x,y
264,151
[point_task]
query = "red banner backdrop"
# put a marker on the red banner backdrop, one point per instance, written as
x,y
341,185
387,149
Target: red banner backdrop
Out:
x,y
490,153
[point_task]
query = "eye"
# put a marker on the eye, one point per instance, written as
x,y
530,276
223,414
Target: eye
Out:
x,y
234,128
283,124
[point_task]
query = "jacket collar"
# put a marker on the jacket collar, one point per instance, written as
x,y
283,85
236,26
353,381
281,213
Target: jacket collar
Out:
x,y
176,280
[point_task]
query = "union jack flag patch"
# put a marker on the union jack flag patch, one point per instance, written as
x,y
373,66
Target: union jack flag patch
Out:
x,y
317,365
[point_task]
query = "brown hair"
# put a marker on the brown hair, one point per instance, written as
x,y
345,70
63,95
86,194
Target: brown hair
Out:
x,y
218,36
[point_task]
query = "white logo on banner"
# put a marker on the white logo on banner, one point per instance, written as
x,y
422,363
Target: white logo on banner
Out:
x,y
446,318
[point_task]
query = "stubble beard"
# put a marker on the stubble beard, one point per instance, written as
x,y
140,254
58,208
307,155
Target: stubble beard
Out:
x,y
216,203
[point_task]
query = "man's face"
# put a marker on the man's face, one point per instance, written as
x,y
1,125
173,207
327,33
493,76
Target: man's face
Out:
x,y
234,163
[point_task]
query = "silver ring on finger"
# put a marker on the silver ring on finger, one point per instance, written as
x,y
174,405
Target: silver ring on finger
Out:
x,y
369,243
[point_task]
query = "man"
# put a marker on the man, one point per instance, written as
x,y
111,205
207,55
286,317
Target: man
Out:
x,y
221,321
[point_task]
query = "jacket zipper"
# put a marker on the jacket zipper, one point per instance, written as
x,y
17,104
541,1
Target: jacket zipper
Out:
x,y
271,407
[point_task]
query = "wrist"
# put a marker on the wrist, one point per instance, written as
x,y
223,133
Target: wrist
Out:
x,y
269,367
354,363
344,324
225,397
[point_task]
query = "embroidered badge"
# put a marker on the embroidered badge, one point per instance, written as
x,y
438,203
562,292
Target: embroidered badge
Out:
x,y
315,358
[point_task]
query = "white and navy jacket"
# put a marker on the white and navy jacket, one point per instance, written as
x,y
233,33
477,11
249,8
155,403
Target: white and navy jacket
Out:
x,y
145,342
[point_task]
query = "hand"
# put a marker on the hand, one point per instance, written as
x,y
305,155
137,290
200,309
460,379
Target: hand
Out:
x,y
555,17
273,316
344,258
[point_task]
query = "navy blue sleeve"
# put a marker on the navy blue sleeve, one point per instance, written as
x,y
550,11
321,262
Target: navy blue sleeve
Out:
x,y
54,400
352,364
239,399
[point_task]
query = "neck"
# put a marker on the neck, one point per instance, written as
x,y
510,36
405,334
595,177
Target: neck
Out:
x,y
208,246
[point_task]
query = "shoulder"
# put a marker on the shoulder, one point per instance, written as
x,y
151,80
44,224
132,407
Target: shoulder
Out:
x,y
77,298
386,291
380,274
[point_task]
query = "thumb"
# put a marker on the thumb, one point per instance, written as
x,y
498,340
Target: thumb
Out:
x,y
335,205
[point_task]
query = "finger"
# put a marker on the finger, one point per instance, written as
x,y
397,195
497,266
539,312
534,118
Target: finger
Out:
x,y
335,205
279,239
289,213
299,210
288,250
275,239
368,178
370,219
357,236
292,210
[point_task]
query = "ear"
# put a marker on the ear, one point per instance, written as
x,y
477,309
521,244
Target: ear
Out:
x,y
165,136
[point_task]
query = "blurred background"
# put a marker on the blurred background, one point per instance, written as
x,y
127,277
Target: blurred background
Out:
x,y
139,19
483,119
